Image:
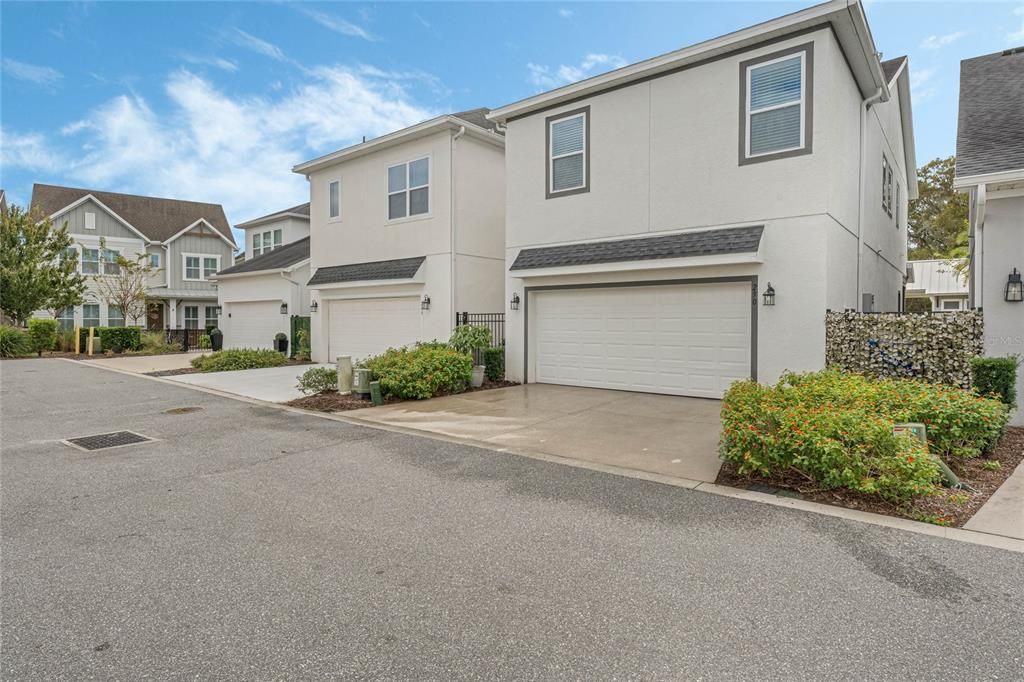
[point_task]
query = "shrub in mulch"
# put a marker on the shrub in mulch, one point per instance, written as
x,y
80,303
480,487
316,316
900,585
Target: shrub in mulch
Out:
x,y
331,401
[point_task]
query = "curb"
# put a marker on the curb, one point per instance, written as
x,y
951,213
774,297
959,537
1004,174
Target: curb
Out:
x,y
957,534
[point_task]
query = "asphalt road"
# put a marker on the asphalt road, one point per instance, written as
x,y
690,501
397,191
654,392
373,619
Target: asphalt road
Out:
x,y
252,543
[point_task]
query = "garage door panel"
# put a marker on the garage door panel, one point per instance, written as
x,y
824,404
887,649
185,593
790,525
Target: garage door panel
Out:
x,y
253,324
369,326
679,339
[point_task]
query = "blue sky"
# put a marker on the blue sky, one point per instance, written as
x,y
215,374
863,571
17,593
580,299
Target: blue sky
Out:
x,y
216,101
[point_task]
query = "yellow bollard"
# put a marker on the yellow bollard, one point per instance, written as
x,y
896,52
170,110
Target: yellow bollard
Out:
x,y
78,340
92,330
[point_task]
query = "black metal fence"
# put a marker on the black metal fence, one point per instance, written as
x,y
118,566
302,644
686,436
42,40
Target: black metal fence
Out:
x,y
188,339
493,321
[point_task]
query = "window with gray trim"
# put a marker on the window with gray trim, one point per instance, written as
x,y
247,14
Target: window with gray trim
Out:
x,y
776,105
568,138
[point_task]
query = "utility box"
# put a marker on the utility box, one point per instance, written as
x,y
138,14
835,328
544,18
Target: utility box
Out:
x,y
361,387
344,374
914,430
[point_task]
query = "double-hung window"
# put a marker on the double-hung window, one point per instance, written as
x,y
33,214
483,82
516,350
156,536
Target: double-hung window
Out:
x,y
191,317
199,268
896,210
110,266
211,316
90,262
115,318
66,318
91,315
210,266
257,244
192,268
776,105
886,186
154,260
266,242
568,168
409,189
334,199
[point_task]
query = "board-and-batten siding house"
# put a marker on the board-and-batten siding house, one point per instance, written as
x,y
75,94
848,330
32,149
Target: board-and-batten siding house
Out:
x,y
649,208
187,242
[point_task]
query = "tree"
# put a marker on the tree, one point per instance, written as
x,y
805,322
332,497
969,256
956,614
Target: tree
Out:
x,y
123,283
35,272
937,222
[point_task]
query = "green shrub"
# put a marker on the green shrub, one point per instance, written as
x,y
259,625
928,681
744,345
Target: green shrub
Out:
x,y
42,335
239,358
470,337
117,339
421,372
156,343
302,345
836,429
494,362
996,378
13,342
318,380
204,342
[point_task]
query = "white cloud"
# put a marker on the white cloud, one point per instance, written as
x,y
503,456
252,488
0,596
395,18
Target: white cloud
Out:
x,y
336,23
211,146
920,87
565,13
218,62
546,77
1017,37
40,75
251,42
934,42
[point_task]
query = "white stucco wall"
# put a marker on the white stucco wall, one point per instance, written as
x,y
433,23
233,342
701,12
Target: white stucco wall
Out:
x,y
1002,250
292,229
279,287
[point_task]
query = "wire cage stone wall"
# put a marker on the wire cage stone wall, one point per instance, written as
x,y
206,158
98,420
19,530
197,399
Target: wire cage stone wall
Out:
x,y
935,347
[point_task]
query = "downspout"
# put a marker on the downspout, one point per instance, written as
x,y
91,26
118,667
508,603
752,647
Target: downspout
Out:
x,y
978,266
865,107
285,277
451,216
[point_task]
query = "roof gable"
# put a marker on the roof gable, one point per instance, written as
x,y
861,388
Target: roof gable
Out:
x,y
155,218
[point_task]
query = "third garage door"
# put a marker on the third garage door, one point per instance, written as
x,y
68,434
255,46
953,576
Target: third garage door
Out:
x,y
681,339
368,326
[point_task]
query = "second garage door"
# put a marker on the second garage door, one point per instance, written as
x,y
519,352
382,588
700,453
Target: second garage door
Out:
x,y
254,324
367,326
690,339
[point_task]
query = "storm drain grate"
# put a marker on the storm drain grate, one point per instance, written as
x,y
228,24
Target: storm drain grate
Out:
x,y
104,441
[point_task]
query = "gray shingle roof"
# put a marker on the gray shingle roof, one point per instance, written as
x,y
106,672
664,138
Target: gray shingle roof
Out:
x,y
400,268
301,209
278,259
703,243
891,66
158,219
478,117
990,128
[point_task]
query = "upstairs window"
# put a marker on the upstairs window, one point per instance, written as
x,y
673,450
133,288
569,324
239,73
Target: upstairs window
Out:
x,y
568,168
110,266
334,199
267,241
896,210
154,260
90,261
199,268
210,267
409,189
776,105
192,267
257,244
90,221
886,186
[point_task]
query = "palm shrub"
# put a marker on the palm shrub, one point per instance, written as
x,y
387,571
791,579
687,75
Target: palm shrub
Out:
x,y
13,343
42,335
421,372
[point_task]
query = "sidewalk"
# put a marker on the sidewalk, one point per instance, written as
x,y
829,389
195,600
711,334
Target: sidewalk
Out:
x,y
1003,514
141,364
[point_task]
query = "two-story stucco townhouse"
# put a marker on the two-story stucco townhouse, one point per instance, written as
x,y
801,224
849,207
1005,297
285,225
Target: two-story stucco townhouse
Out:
x,y
990,167
651,209
405,230
186,242
259,295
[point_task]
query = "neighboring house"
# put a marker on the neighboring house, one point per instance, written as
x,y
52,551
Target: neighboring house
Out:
x,y
259,296
990,167
937,283
186,241
267,285
405,230
650,209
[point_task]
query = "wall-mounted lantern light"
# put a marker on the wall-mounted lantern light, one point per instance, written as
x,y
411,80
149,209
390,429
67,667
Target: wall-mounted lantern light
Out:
x,y
314,306
769,295
514,303
219,310
425,302
1014,288
284,308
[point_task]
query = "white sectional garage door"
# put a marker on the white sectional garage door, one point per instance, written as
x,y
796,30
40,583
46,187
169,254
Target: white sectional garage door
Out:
x,y
367,326
254,323
690,339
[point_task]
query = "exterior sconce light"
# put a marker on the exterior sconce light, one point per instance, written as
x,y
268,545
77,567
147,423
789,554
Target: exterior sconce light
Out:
x,y
1014,288
219,310
769,295
314,306
514,303
425,302
284,308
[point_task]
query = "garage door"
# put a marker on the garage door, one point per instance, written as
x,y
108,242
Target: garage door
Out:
x,y
691,339
253,324
368,326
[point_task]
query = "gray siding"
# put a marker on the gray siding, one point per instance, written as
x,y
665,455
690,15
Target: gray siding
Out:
x,y
194,242
106,224
158,277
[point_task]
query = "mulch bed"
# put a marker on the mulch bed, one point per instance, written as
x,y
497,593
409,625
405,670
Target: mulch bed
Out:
x,y
947,508
331,401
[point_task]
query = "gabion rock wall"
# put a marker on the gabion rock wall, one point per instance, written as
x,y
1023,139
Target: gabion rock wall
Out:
x,y
933,347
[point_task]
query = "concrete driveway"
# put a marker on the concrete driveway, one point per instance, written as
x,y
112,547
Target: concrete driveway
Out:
x,y
661,434
142,364
273,384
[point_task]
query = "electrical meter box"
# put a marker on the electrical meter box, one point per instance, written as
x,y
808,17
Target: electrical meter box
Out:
x,y
912,429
